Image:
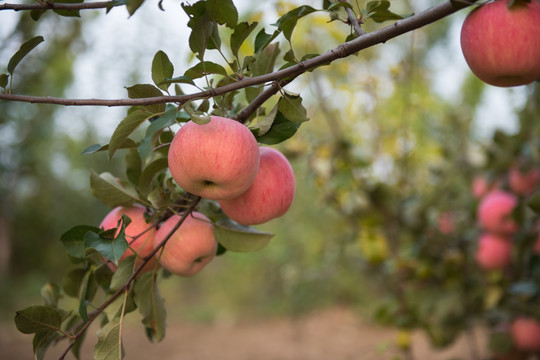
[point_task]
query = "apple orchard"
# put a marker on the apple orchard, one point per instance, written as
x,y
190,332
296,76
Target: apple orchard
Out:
x,y
453,248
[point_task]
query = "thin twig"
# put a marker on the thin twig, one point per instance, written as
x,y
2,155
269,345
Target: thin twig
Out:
x,y
351,16
61,6
362,42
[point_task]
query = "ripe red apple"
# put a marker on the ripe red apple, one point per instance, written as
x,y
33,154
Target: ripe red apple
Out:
x,y
190,248
502,45
493,252
270,195
217,160
523,183
526,333
495,212
481,186
142,245
446,223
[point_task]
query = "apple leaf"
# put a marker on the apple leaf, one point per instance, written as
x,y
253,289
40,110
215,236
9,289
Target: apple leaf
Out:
x,y
109,344
263,126
112,249
73,240
22,52
126,144
205,68
223,12
162,69
133,5
4,80
534,202
290,106
38,318
122,273
126,127
141,91
262,40
201,25
72,13
149,172
110,191
379,11
41,342
281,130
151,306
287,22
51,294
238,238
240,34
265,61
71,282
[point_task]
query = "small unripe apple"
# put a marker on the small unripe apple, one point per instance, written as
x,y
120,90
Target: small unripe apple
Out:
x,y
138,234
270,195
493,252
217,160
495,212
526,333
502,45
523,183
190,248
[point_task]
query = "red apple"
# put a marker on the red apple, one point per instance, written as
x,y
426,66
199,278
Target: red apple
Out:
x,y
217,160
481,186
446,223
526,333
495,212
191,247
270,195
493,252
523,183
502,45
139,234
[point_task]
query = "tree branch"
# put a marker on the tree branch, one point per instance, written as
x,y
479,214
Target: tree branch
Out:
x,y
344,50
45,5
351,16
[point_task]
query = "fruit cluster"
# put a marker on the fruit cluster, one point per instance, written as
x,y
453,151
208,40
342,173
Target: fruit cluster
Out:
x,y
220,161
498,202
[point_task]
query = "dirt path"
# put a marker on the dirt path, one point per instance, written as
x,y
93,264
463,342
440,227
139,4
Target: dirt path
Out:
x,y
331,334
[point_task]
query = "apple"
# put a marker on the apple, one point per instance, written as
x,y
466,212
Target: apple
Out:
x,y
190,248
493,252
270,195
526,333
523,183
218,160
481,186
501,45
446,223
495,212
142,245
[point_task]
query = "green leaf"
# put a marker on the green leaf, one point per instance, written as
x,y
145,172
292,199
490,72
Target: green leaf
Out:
x,y
205,68
148,174
263,126
143,91
41,342
51,294
162,69
265,60
133,166
22,52
73,240
133,5
378,11
178,80
114,310
73,13
123,272
109,344
108,190
112,249
262,40
126,127
159,198
223,12
38,318
239,238
290,106
281,130
71,282
287,22
4,80
240,34
126,144
337,5
151,306
202,27
88,290
152,132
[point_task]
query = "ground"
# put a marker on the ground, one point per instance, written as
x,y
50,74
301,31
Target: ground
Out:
x,y
335,333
